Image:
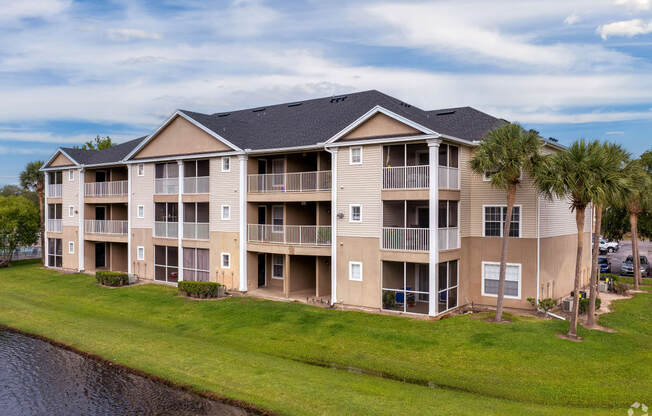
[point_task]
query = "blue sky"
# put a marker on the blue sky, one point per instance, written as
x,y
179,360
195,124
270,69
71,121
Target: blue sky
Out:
x,y
70,70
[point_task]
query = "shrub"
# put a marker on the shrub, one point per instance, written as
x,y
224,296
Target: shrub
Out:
x,y
389,300
611,276
112,278
621,288
545,304
199,289
584,305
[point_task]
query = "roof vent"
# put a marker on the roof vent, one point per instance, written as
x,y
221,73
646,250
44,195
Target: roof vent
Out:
x,y
294,104
445,113
224,114
338,99
402,104
258,110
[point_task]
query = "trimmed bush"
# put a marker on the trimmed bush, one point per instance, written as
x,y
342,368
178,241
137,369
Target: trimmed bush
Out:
x,y
621,288
112,279
611,276
200,290
584,305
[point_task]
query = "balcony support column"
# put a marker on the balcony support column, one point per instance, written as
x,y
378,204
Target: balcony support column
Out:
x,y
433,205
129,208
334,210
80,215
242,189
180,223
46,184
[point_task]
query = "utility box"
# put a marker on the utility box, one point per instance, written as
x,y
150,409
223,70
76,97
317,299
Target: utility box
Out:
x,y
567,305
604,286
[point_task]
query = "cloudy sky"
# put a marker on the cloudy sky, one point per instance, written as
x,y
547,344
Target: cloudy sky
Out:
x,y
70,70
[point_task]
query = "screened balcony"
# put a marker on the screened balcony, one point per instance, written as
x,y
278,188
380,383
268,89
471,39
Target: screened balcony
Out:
x,y
119,227
166,178
196,176
314,235
114,188
54,184
195,220
166,220
405,226
406,166
54,215
297,172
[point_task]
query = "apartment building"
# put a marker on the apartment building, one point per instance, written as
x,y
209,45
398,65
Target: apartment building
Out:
x,y
357,200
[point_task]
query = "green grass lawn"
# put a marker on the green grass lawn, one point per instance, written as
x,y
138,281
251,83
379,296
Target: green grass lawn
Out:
x,y
259,351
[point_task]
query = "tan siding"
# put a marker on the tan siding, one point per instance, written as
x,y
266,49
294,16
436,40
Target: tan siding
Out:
x,y
224,190
61,160
360,184
70,196
556,218
142,191
142,237
70,261
380,125
181,137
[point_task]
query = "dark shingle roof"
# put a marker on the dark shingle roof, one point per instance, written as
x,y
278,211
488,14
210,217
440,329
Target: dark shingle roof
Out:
x,y
111,155
310,122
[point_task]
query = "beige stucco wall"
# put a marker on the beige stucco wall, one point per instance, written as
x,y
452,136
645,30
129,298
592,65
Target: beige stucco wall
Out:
x,y
142,193
225,242
380,125
142,237
558,256
118,256
360,184
181,137
367,292
224,190
69,261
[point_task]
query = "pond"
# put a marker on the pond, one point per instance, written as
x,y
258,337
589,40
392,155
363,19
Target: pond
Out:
x,y
37,378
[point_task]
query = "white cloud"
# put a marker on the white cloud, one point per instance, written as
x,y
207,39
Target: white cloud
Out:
x,y
13,10
629,28
635,4
40,136
125,35
614,133
14,150
572,19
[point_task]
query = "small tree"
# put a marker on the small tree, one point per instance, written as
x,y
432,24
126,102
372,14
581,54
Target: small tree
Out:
x,y
32,179
574,174
503,156
98,143
19,225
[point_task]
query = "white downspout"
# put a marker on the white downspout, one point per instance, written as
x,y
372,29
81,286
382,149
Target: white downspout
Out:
x,y
242,159
180,223
129,208
538,248
333,153
433,207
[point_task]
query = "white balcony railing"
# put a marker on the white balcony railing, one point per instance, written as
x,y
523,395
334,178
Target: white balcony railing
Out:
x,y
166,186
113,188
448,178
166,229
408,239
54,190
119,227
291,182
406,177
316,235
195,230
53,225
448,238
196,185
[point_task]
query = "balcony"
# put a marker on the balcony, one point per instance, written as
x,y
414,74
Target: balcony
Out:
x,y
54,190
115,188
405,239
166,229
448,238
313,235
291,182
406,177
53,225
166,186
195,185
195,230
115,227
449,178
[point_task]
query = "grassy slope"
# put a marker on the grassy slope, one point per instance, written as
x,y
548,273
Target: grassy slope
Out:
x,y
251,350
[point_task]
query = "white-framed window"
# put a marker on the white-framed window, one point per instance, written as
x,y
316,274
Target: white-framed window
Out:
x,y
493,220
355,213
277,266
355,155
71,175
226,260
71,247
355,271
226,212
277,218
141,211
491,274
141,169
140,253
55,257
226,164
71,210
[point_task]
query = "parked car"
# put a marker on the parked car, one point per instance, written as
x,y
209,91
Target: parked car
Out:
x,y
604,264
608,246
627,268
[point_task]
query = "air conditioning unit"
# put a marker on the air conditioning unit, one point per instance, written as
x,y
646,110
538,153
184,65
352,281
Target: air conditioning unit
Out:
x,y
604,287
567,305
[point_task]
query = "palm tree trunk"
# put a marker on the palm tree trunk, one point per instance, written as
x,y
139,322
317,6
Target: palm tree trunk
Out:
x,y
579,219
633,223
511,196
595,273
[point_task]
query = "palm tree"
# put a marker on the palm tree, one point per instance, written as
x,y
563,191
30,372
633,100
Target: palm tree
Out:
x,y
612,186
503,156
574,174
32,179
637,199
